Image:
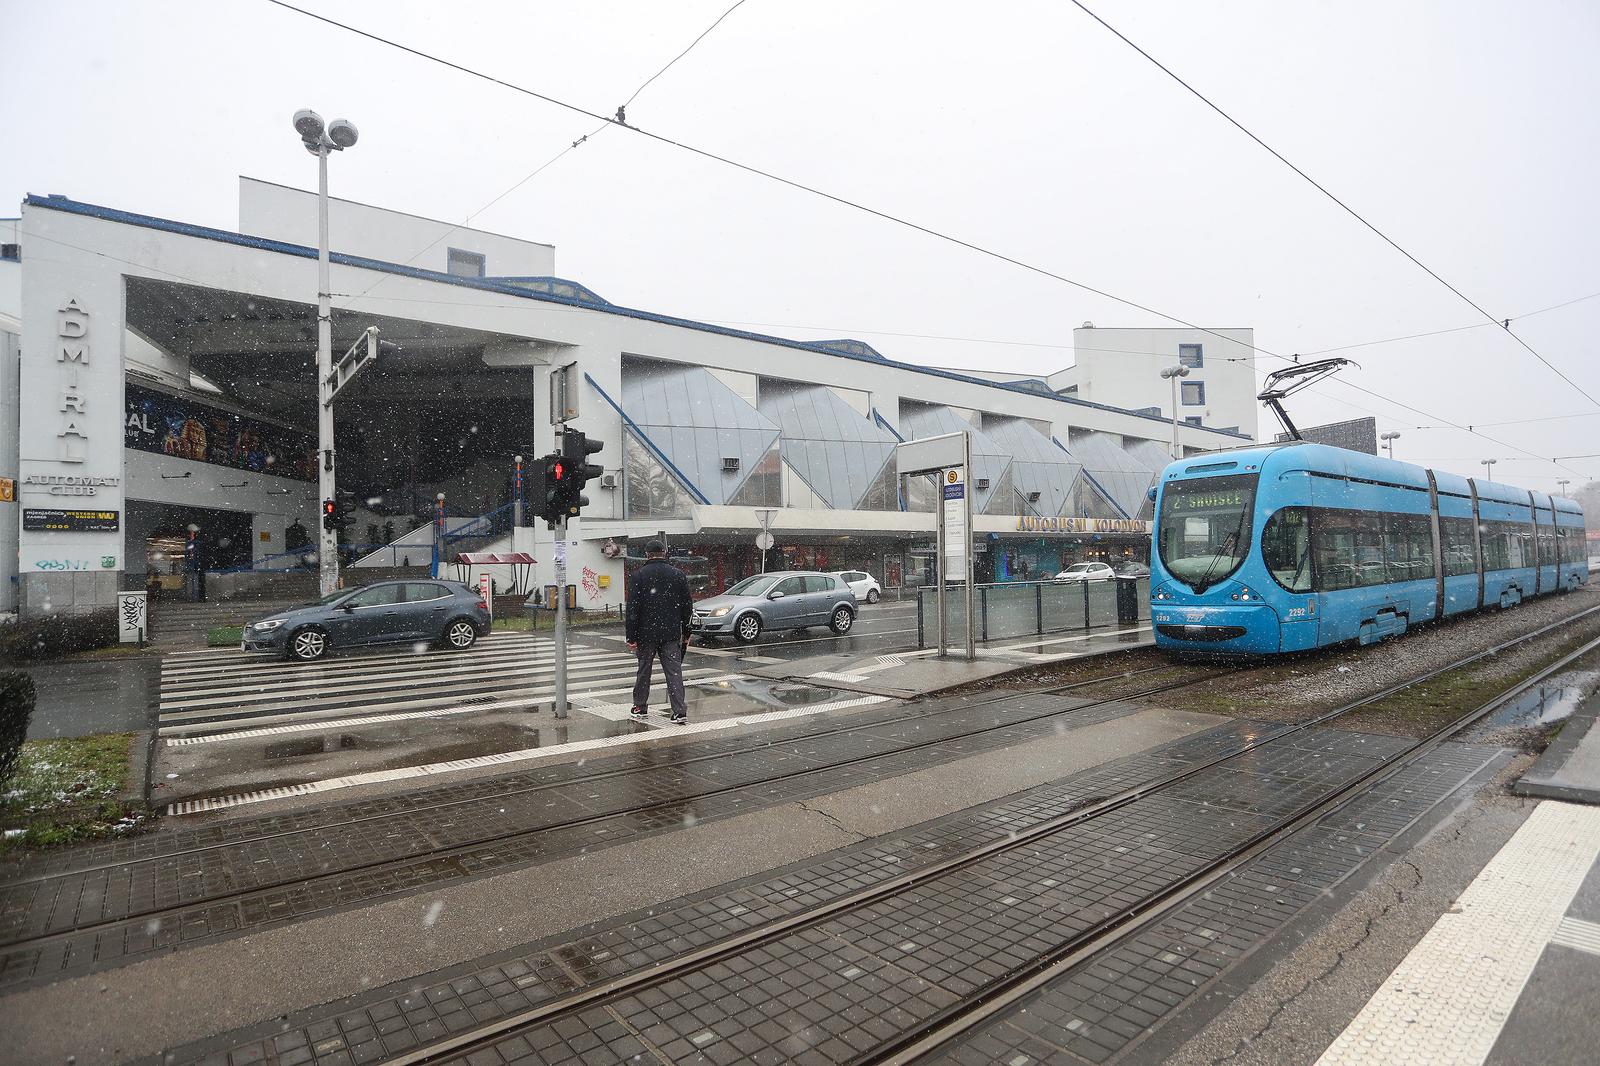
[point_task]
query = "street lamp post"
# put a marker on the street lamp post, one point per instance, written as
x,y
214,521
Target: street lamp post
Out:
x,y
1388,442
1488,467
319,140
1173,373
1561,485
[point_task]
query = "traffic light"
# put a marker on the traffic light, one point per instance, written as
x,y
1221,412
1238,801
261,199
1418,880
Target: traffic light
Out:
x,y
335,515
543,483
576,448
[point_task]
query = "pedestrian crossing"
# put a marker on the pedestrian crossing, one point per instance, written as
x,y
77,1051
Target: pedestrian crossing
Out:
x,y
216,694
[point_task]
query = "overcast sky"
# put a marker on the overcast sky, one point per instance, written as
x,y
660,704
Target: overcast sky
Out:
x,y
1465,130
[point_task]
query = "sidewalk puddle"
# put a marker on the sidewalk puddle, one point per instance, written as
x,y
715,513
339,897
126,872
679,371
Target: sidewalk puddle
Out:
x,y
1551,702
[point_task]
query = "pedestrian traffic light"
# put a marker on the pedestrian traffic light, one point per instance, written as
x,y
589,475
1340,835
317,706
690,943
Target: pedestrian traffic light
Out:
x,y
335,515
576,448
544,486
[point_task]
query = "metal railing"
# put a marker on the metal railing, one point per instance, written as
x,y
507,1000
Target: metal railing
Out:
x,y
481,531
1033,608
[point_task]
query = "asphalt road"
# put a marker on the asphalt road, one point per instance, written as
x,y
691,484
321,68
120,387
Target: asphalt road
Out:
x,y
880,627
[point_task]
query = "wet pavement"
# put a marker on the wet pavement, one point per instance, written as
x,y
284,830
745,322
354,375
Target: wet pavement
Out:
x,y
111,904
839,985
78,697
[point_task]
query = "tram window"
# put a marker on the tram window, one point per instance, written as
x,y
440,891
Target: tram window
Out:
x,y
1572,545
1286,549
1408,546
1455,535
1547,547
1342,546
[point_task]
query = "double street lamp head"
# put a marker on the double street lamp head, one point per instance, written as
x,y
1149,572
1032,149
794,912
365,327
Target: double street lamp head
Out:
x,y
1175,372
319,137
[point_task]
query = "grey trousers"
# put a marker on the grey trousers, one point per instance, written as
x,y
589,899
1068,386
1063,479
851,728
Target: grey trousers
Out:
x,y
671,655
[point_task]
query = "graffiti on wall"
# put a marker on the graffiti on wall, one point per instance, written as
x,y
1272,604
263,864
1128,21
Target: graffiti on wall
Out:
x,y
591,584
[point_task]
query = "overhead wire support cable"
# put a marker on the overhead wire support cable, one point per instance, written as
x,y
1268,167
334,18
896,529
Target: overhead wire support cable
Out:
x,y
1504,323
619,120
853,204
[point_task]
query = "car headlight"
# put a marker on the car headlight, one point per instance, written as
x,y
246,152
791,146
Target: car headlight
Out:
x,y
271,623
720,611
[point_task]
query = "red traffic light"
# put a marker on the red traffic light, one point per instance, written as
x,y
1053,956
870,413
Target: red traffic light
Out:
x,y
328,507
558,470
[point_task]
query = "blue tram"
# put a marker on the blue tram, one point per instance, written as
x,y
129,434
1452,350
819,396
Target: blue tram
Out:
x,y
1291,546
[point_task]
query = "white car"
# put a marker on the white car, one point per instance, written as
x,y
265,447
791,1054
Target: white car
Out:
x,y
863,584
1087,572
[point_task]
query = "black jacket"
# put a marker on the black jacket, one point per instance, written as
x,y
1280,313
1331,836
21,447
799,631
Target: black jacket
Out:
x,y
659,604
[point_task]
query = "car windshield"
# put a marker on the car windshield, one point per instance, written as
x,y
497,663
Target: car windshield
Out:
x,y
1079,568
756,585
1203,528
334,597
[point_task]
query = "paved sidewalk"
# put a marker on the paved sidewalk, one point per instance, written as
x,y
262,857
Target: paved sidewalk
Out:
x,y
1510,973
910,674
1570,768
79,697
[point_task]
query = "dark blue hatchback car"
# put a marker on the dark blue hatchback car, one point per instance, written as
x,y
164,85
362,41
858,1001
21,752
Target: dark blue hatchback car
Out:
x,y
388,612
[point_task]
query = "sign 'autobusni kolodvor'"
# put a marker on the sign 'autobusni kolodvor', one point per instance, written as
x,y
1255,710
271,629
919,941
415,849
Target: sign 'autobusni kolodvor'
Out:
x,y
1037,524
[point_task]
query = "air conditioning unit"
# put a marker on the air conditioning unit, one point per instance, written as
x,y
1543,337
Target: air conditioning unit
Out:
x,y
608,481
730,463
983,483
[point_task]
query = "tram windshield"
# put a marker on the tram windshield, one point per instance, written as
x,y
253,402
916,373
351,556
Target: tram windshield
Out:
x,y
1203,530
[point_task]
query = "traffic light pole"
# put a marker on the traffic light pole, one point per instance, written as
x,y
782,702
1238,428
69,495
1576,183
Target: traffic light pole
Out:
x,y
327,539
561,617
564,473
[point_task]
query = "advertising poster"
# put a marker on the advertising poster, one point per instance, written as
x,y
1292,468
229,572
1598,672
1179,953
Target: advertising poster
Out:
x,y
166,425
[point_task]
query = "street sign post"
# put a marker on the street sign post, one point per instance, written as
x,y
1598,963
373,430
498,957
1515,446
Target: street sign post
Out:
x,y
946,458
764,539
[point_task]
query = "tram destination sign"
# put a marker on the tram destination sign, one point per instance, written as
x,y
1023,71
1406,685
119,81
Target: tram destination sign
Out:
x,y
41,519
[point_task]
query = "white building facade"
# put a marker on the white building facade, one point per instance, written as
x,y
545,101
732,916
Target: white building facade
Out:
x,y
163,408
1122,367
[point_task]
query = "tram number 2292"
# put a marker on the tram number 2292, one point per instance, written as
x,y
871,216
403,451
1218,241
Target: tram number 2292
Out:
x,y
1299,612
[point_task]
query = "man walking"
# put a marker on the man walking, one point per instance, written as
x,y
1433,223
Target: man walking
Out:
x,y
659,606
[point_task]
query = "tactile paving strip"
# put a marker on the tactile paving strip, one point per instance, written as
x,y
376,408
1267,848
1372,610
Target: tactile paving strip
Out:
x,y
255,882
1446,1002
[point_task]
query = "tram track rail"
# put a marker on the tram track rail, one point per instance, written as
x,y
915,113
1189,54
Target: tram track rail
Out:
x,y
12,946
918,1044
621,772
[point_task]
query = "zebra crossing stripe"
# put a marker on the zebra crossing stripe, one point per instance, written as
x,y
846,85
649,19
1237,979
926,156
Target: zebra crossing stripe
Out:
x,y
216,803
507,697
442,712
174,697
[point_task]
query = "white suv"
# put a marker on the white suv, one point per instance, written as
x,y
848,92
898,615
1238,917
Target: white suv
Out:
x,y
863,584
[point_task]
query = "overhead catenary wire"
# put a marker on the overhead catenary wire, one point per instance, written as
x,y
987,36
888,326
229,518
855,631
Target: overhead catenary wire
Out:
x,y
1504,323
799,186
553,160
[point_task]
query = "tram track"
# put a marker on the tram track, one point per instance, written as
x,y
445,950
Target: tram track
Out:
x,y
507,793
13,947
918,1043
